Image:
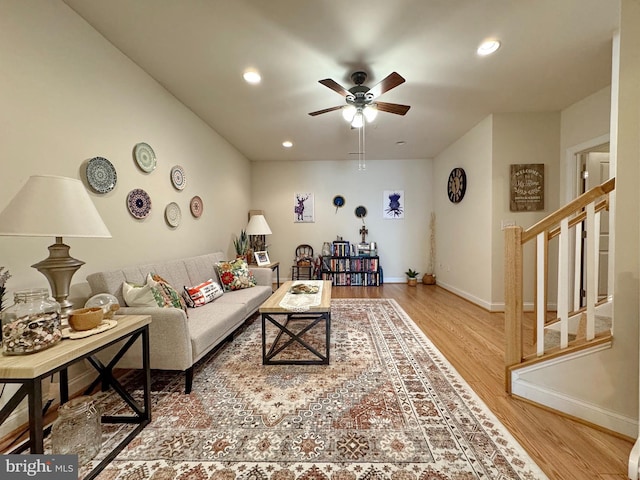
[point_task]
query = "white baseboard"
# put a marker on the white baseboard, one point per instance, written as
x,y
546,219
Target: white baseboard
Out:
x,y
572,406
20,416
467,296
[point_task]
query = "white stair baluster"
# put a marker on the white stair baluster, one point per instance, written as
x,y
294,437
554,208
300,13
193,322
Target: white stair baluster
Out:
x,y
541,308
563,280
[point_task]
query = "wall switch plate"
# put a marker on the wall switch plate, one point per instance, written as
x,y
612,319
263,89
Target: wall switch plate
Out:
x,y
508,223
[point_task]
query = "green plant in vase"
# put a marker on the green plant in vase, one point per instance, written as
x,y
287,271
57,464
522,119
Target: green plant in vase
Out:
x,y
412,277
241,244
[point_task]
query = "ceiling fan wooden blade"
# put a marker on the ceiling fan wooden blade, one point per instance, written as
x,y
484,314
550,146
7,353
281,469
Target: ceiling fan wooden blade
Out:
x,y
335,86
313,114
390,81
392,108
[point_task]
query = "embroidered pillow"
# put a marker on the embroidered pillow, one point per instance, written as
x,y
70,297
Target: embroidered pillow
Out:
x,y
235,275
138,295
165,294
202,294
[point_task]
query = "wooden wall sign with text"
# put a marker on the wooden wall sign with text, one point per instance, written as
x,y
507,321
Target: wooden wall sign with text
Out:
x,y
527,187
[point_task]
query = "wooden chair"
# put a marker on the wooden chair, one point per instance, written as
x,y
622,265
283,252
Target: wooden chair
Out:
x,y
303,267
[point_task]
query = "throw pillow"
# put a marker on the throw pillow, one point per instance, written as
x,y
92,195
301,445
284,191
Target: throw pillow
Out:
x,y
138,295
202,294
165,294
235,275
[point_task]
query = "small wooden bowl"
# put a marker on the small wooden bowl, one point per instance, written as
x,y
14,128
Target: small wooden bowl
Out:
x,y
85,318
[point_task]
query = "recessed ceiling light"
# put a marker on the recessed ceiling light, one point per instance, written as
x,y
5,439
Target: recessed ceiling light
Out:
x,y
287,144
400,143
488,47
252,77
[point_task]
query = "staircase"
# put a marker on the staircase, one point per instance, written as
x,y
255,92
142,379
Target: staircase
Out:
x,y
567,242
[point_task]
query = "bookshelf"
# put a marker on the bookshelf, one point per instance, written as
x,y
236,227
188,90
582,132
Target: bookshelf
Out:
x,y
344,268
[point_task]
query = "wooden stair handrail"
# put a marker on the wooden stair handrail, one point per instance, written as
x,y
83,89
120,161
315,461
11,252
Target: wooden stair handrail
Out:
x,y
515,238
601,205
571,207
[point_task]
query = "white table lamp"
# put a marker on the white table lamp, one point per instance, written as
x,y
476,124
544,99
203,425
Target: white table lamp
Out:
x,y
258,228
50,206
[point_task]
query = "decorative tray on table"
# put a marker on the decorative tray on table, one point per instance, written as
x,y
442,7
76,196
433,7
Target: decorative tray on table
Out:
x,y
105,325
304,288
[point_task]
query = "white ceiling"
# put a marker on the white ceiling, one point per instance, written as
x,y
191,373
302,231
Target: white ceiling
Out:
x,y
554,53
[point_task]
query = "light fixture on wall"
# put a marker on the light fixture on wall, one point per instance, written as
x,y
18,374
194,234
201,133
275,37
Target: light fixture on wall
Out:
x,y
51,206
257,229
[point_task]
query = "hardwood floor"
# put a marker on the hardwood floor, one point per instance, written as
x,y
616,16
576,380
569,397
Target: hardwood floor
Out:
x,y
472,339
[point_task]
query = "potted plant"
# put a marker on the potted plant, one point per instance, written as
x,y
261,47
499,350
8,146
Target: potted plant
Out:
x,y
430,278
412,277
241,244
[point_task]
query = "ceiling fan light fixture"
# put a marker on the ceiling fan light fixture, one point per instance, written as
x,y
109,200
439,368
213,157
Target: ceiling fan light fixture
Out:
x,y
370,113
348,112
488,47
358,119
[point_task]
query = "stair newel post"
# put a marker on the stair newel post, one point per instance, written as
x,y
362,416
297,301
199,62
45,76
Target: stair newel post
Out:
x,y
513,293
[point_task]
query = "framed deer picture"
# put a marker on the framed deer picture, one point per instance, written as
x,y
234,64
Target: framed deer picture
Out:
x,y
303,208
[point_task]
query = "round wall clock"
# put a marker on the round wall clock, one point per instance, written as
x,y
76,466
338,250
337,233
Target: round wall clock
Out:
x,y
457,185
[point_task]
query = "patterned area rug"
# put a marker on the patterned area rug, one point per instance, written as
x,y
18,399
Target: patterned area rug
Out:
x,y
389,406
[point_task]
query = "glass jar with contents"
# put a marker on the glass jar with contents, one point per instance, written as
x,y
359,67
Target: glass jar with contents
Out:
x,y
31,324
77,429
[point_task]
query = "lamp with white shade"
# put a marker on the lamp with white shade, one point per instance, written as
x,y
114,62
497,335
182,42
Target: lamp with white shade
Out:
x,y
52,206
257,229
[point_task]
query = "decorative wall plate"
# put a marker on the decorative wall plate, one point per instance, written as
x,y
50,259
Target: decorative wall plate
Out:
x,y
101,175
178,178
139,203
338,201
361,211
196,206
145,157
172,214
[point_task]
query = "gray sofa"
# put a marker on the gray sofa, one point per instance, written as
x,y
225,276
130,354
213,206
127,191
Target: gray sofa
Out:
x,y
178,342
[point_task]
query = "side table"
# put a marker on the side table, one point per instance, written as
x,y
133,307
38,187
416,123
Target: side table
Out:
x,y
30,370
275,267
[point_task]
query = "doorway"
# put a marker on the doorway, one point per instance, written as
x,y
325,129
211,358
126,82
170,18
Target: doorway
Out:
x,y
593,167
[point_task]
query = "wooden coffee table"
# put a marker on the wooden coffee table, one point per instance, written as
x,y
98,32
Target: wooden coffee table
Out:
x,y
292,325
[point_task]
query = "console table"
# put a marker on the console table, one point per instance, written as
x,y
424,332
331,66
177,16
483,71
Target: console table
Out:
x,y
30,370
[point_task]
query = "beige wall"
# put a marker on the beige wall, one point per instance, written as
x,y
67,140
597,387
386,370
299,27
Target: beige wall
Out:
x,y
402,243
68,95
473,227
464,228
521,138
